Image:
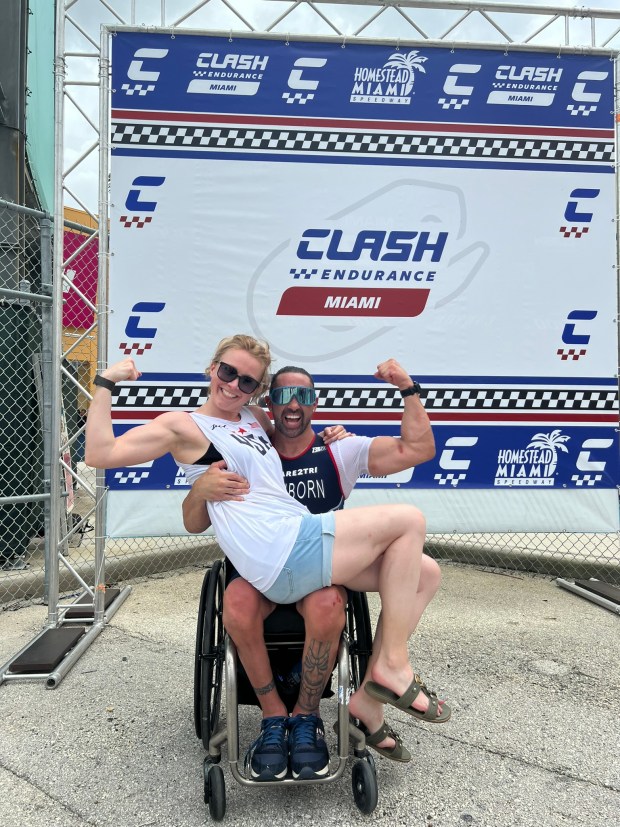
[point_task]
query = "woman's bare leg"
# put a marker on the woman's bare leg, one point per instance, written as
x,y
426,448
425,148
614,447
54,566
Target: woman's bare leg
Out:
x,y
380,549
361,705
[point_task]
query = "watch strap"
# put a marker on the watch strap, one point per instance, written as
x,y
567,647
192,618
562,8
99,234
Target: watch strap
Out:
x,y
412,391
102,382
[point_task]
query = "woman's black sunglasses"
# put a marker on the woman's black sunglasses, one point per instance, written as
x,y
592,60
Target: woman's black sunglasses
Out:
x,y
246,384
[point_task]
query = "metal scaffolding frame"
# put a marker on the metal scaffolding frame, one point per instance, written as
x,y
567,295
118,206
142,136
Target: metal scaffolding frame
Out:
x,y
510,27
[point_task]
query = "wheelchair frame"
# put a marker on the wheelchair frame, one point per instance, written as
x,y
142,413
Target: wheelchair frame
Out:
x,y
216,658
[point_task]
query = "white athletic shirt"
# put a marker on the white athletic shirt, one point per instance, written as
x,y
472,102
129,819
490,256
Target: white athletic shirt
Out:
x,y
351,457
257,535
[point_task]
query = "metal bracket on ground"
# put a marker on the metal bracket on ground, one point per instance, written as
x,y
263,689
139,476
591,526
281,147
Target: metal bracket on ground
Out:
x,y
603,594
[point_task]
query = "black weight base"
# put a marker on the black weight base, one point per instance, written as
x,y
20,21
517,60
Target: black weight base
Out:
x,y
605,590
83,608
47,651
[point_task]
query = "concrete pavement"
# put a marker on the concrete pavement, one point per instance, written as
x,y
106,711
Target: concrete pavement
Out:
x,y
532,673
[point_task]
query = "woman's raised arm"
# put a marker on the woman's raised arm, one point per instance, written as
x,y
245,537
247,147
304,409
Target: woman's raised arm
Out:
x,y
140,444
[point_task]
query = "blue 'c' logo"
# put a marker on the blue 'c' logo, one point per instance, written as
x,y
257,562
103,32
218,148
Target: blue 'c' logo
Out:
x,y
133,329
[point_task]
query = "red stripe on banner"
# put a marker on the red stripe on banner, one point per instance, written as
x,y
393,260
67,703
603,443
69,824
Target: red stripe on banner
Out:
x,y
352,301
336,414
340,123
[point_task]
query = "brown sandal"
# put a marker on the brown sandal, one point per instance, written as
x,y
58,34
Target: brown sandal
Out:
x,y
396,753
404,701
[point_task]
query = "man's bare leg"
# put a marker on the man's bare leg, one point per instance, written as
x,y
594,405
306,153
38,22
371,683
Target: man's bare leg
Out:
x,y
243,605
323,612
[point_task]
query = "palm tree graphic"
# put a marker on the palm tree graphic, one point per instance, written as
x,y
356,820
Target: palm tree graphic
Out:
x,y
410,63
554,442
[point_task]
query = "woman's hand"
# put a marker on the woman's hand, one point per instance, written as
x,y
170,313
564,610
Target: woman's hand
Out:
x,y
123,371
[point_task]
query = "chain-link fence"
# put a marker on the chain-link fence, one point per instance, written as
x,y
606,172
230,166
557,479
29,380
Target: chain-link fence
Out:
x,y
25,365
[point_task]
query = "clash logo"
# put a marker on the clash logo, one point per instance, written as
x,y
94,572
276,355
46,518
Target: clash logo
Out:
x,y
532,466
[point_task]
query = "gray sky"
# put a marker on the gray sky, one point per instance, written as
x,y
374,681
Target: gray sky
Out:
x,y
85,18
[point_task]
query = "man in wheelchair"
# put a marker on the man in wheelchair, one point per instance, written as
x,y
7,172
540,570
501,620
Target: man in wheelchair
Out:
x,y
321,477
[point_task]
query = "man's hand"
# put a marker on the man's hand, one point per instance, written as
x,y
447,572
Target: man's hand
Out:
x,y
218,484
332,433
393,373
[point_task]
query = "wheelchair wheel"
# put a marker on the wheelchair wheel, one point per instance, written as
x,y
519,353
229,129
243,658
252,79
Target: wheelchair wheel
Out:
x,y
209,657
215,790
360,637
364,783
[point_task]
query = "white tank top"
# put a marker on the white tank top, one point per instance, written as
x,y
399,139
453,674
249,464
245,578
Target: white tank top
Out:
x,y
257,535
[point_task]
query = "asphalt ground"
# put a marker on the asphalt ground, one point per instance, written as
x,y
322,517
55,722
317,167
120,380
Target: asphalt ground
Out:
x,y
532,673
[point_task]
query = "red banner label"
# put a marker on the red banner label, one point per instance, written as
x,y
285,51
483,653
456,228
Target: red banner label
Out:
x,y
351,301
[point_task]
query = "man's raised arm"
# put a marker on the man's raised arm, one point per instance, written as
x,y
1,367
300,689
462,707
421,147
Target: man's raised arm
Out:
x,y
416,444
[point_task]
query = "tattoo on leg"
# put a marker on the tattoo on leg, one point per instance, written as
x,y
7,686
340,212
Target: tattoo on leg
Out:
x,y
316,669
263,690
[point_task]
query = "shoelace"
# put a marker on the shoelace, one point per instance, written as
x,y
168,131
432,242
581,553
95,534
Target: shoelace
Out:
x,y
304,731
270,736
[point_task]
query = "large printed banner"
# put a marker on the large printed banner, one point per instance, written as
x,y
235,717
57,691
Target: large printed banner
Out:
x,y
452,208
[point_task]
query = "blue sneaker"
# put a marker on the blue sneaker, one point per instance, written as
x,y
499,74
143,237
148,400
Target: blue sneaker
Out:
x,y
268,755
307,748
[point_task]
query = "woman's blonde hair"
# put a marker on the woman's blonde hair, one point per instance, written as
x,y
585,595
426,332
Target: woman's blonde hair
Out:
x,y
259,350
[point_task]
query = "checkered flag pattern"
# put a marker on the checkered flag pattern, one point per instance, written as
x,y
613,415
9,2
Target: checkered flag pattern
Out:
x,y
141,89
436,399
298,97
130,477
360,398
137,221
135,348
580,109
372,399
292,140
576,232
303,272
453,103
586,480
571,353
450,479
156,396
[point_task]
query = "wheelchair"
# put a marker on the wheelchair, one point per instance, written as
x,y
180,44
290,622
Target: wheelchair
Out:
x,y
216,663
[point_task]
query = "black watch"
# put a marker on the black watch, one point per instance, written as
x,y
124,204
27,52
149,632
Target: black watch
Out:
x,y
415,388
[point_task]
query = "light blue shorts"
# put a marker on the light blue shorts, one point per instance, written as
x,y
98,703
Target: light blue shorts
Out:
x,y
309,565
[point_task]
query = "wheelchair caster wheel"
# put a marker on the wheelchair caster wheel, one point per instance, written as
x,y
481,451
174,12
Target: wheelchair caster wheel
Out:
x,y
214,790
364,783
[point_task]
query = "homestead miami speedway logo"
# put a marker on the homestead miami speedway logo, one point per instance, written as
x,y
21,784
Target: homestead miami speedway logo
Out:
x,y
532,466
391,83
386,258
